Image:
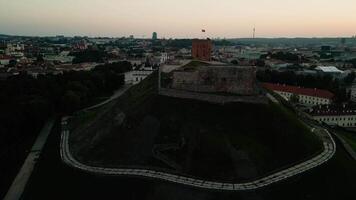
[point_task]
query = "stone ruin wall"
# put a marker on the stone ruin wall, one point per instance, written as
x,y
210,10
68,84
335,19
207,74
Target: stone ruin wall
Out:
x,y
235,80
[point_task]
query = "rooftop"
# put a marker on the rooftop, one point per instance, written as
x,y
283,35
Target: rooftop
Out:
x,y
329,69
299,90
5,57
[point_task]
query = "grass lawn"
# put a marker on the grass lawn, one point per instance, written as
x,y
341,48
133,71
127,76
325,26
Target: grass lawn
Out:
x,y
195,63
221,142
222,138
349,137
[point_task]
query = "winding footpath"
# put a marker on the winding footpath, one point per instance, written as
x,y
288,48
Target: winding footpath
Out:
x,y
327,153
116,95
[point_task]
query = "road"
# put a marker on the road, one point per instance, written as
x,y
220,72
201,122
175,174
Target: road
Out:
x,y
327,153
18,185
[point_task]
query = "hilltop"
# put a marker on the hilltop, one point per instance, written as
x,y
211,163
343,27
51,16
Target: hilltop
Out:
x,y
232,142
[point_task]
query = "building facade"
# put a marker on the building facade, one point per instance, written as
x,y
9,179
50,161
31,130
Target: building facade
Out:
x,y
335,116
352,91
201,49
136,76
305,96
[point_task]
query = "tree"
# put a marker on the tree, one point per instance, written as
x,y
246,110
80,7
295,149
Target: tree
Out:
x,y
234,62
349,79
260,63
12,63
39,59
88,56
70,101
353,62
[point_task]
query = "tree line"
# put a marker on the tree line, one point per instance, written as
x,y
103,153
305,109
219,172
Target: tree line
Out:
x,y
27,102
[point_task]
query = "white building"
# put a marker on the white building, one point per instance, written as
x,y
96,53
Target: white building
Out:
x,y
164,58
136,76
329,70
306,96
63,57
4,60
335,116
353,92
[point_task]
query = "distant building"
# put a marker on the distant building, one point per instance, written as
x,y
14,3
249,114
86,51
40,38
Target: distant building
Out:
x,y
164,58
5,60
344,116
154,36
329,70
63,57
352,90
201,49
136,76
306,96
81,45
216,79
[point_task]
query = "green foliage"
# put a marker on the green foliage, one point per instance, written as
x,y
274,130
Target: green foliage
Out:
x,y
88,56
209,131
195,63
119,67
234,62
285,56
70,101
348,136
180,43
260,63
353,62
254,129
39,59
223,43
26,103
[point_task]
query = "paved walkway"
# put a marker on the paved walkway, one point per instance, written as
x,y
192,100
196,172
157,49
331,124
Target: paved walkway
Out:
x,y
327,153
272,98
19,183
324,156
116,95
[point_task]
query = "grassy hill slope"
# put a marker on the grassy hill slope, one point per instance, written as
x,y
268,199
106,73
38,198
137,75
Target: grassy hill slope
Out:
x,y
233,142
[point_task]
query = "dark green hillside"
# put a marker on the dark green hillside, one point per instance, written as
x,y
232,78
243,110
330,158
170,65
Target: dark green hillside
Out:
x,y
234,142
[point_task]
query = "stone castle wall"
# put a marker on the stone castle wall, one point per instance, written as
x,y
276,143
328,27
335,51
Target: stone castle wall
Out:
x,y
224,79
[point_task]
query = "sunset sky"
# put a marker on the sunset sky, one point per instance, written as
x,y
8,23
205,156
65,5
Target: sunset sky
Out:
x,y
179,18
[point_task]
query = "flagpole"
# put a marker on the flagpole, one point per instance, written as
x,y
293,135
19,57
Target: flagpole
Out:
x,y
203,33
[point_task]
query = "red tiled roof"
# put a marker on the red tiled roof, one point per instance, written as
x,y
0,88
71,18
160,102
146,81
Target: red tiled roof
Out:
x,y
5,57
299,90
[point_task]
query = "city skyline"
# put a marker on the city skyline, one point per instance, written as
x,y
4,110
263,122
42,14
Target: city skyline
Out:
x,y
179,19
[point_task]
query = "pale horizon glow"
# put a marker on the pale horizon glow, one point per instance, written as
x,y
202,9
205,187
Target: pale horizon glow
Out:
x,y
179,18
